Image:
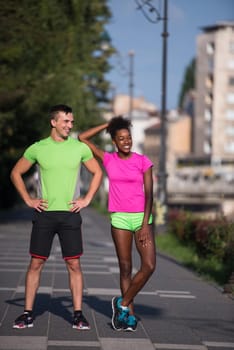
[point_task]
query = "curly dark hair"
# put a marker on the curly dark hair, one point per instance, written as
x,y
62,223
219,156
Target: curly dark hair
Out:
x,y
116,124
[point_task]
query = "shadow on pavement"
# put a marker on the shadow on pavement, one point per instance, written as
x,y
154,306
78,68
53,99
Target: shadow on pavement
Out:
x,y
61,306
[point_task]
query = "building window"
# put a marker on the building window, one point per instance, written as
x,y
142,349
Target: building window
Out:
x,y
207,147
207,115
231,81
230,98
230,114
229,147
231,47
210,48
231,64
208,99
229,130
209,81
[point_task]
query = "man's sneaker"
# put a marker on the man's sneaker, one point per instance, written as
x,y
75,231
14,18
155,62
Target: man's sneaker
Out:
x,y
23,321
80,322
120,314
131,324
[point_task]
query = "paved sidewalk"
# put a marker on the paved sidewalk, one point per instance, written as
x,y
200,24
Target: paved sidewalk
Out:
x,y
176,309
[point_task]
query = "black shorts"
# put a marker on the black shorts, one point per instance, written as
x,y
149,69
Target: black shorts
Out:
x,y
49,223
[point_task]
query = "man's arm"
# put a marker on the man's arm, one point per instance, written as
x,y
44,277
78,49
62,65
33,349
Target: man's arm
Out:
x,y
94,168
20,168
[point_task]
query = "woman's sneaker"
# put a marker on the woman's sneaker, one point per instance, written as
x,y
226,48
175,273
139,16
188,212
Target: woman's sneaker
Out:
x,y
80,322
120,314
23,321
131,325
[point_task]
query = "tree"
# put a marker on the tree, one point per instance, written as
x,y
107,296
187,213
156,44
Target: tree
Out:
x,y
188,83
49,51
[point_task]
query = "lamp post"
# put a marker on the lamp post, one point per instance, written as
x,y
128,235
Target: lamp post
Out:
x,y
131,84
128,71
153,15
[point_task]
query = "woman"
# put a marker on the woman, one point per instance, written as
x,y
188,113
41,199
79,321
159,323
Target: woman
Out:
x,y
130,206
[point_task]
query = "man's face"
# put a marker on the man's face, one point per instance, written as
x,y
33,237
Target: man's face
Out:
x,y
62,124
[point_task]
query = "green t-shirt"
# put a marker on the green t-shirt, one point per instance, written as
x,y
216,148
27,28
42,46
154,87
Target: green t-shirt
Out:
x,y
59,169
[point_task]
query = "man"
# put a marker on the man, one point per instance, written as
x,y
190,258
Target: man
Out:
x,y
57,209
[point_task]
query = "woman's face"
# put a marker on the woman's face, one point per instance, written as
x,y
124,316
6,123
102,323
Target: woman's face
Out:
x,y
123,140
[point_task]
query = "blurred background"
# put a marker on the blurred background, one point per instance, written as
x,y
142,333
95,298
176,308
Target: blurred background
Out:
x,y
105,58
168,65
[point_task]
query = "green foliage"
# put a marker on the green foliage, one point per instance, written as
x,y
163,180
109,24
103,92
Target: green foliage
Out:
x,y
188,81
49,52
183,224
212,242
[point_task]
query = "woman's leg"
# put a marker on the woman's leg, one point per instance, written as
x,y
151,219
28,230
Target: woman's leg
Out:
x,y
148,263
123,245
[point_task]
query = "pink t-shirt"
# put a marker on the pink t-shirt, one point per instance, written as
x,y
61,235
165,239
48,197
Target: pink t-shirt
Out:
x,y
126,182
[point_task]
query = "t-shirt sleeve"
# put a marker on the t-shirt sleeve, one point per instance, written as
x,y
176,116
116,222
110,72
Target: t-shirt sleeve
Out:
x,y
31,153
87,154
146,163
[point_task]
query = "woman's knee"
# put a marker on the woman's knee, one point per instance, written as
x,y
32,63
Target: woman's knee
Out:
x,y
149,266
125,268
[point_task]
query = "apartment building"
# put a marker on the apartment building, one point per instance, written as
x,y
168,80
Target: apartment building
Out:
x,y
214,106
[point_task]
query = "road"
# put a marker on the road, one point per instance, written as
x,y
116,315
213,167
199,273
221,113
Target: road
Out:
x,y
177,309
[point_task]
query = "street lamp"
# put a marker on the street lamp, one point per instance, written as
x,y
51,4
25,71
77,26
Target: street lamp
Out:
x,y
128,71
153,15
131,84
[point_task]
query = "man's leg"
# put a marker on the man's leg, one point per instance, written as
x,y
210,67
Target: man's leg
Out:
x,y
76,286
70,237
75,282
32,281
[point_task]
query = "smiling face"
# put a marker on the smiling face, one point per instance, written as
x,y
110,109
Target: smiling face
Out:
x,y
123,141
62,123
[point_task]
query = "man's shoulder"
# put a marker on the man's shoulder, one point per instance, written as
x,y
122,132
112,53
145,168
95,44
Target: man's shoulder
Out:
x,y
44,141
41,142
74,141
79,144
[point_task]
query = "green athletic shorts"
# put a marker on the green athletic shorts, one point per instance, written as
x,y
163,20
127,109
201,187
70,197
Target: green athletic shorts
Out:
x,y
128,221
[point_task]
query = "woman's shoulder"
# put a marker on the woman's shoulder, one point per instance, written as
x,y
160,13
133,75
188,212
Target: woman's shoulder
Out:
x,y
139,155
108,156
142,159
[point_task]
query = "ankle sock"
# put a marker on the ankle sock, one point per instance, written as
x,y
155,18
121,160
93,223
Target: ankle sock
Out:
x,y
124,308
77,312
28,312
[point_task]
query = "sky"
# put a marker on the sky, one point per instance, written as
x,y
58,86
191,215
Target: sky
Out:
x,y
131,31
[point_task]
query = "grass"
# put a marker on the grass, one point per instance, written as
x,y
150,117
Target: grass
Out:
x,y
208,268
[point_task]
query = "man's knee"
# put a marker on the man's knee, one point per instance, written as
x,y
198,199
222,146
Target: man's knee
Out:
x,y
73,265
36,264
